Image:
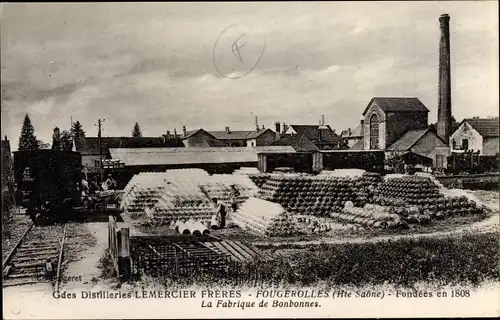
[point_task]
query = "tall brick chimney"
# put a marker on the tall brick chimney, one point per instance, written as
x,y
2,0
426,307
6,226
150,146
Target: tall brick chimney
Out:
x,y
444,99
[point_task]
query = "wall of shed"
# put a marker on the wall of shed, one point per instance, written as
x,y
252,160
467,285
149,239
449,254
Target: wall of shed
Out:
x,y
397,123
431,146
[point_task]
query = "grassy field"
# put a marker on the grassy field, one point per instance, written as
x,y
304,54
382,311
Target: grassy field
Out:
x,y
465,259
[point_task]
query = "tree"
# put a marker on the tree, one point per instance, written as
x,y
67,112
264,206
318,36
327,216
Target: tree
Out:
x,y
56,139
27,140
66,140
137,131
77,133
454,125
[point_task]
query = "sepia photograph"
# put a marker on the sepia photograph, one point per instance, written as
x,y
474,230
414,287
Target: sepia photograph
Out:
x,y
250,159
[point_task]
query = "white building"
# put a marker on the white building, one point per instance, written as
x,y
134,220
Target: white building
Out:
x,y
477,135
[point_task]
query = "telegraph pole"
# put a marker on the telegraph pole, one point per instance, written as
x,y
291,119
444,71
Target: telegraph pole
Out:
x,y
99,124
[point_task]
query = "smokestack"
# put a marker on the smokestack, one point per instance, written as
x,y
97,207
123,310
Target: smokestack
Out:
x,y
184,131
322,119
444,95
257,123
228,130
277,128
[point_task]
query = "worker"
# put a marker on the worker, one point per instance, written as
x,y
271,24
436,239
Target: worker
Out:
x,y
85,187
110,183
221,213
235,193
149,212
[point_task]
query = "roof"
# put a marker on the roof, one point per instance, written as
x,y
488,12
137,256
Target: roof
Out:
x,y
388,104
175,156
275,149
312,133
360,145
355,133
408,140
90,145
193,132
298,142
491,146
231,135
487,127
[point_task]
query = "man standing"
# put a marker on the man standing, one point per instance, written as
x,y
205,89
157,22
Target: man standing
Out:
x,y
221,213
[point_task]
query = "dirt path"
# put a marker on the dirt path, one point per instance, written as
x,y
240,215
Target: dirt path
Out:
x,y
83,273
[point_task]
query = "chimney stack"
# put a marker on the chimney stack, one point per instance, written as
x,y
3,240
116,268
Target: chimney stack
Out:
x,y
322,119
285,127
184,131
228,130
257,123
175,132
444,94
277,128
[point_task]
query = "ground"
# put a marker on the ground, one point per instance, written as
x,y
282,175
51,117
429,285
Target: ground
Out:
x,y
86,244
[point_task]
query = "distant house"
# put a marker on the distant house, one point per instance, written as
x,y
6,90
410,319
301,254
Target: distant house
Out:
x,y
202,138
91,154
477,134
322,136
351,136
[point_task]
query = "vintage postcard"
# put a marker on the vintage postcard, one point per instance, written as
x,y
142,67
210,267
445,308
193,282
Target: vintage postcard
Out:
x,y
249,160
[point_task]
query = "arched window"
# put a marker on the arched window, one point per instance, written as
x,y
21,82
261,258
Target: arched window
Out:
x,y
374,142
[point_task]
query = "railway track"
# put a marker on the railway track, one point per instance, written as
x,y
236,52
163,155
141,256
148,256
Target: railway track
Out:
x,y
36,258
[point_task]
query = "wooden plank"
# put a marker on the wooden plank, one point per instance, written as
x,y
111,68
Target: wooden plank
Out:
x,y
49,249
234,252
38,258
29,265
239,249
27,275
36,254
229,251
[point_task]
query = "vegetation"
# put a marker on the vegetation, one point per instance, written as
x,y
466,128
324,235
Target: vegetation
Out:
x,y
77,133
56,139
66,140
27,140
136,132
469,259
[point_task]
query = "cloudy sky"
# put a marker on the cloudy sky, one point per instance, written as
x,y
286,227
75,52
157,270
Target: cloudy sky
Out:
x,y
156,64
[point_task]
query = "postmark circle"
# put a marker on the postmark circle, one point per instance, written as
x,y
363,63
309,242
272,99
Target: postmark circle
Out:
x,y
237,51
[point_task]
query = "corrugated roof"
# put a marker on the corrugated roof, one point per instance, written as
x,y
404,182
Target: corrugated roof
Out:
x,y
173,156
407,140
491,146
397,104
90,145
485,127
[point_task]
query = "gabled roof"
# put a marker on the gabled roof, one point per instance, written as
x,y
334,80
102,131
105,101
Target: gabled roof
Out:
x,y
256,134
299,142
487,127
90,145
193,132
312,133
408,140
392,104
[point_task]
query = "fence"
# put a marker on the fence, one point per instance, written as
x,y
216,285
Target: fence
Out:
x,y
119,248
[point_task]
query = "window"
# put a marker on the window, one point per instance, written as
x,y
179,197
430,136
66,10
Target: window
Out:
x,y
454,143
253,144
374,132
465,144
